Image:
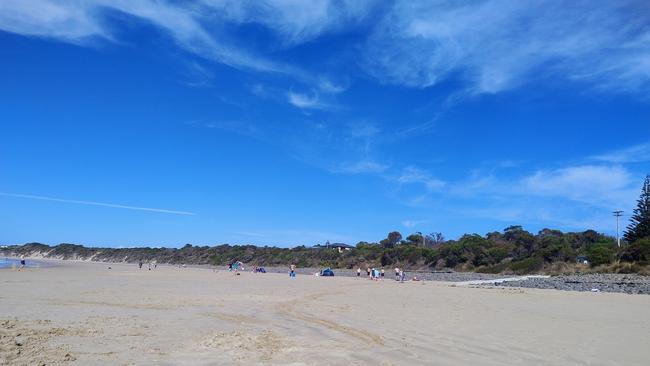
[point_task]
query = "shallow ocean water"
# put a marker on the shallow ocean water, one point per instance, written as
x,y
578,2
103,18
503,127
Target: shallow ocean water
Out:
x,y
6,262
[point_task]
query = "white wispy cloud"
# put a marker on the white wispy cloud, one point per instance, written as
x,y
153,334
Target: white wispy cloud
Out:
x,y
295,21
305,101
633,154
327,86
576,197
554,215
411,174
498,45
598,185
412,223
492,45
68,22
84,22
360,167
196,26
92,203
603,186
571,197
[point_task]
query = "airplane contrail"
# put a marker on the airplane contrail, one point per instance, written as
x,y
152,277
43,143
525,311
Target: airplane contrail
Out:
x,y
96,203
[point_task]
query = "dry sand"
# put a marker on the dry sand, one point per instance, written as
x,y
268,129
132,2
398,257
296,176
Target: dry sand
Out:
x,y
85,314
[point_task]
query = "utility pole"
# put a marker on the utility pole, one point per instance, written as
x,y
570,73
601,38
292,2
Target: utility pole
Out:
x,y
618,214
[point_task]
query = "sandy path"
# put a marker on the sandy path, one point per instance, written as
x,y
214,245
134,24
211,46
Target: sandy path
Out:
x,y
85,314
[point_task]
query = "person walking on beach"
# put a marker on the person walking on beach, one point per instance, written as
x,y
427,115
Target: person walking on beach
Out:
x,y
358,272
292,271
140,264
368,272
383,273
397,273
22,262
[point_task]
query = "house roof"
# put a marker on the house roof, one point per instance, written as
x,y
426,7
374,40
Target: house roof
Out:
x,y
333,245
340,245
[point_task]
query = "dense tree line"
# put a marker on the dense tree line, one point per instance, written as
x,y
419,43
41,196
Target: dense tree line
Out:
x,y
512,250
637,234
639,227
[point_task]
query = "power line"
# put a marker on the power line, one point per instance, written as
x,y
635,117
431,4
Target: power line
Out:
x,y
618,214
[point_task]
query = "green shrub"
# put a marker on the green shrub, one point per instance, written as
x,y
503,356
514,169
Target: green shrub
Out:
x,y
600,254
528,265
639,251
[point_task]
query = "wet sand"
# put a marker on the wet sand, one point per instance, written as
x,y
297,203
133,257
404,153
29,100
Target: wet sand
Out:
x,y
85,314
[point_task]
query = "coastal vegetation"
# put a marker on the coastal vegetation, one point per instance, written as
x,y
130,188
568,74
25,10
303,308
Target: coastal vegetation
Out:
x,y
513,250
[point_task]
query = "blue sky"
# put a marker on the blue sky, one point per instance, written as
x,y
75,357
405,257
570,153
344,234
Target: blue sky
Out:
x,y
290,122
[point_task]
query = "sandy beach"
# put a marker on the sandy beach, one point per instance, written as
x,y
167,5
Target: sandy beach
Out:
x,y
84,313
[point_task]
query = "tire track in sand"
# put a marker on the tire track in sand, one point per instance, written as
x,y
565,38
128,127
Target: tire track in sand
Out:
x,y
289,309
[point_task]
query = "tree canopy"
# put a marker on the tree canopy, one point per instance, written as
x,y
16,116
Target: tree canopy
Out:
x,y
392,239
512,250
639,227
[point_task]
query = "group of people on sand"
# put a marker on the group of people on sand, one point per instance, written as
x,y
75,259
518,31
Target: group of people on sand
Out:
x,y
373,273
377,274
235,266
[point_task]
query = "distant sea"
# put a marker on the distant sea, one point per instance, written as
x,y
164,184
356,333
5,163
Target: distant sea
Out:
x,y
15,262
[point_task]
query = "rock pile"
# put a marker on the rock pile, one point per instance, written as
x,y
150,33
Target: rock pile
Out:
x,y
623,283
